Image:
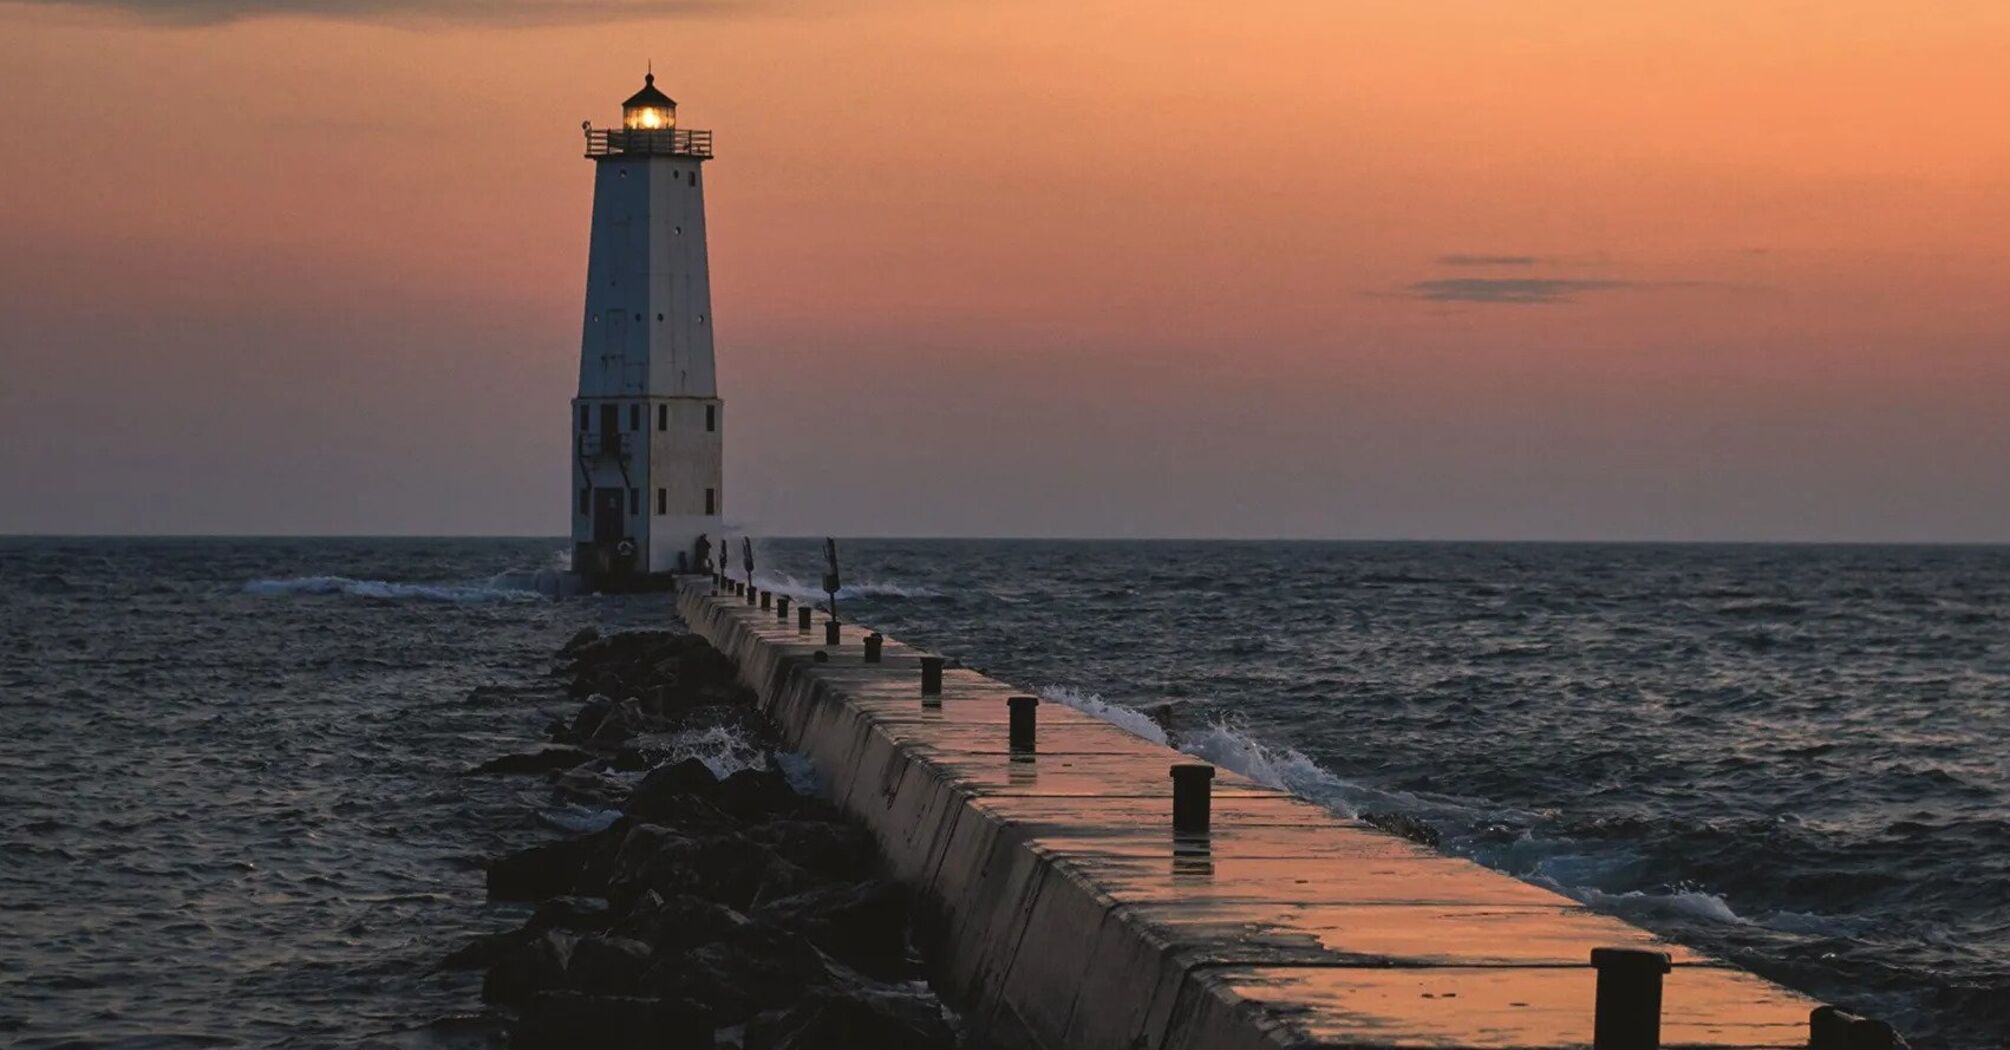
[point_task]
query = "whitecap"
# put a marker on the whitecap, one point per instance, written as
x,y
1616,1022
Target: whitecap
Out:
x,y
797,590
1132,719
1680,904
388,590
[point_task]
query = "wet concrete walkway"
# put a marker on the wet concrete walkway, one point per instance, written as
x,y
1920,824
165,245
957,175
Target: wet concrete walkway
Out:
x,y
1069,915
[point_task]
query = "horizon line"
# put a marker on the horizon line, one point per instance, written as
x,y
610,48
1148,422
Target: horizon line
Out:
x,y
1364,541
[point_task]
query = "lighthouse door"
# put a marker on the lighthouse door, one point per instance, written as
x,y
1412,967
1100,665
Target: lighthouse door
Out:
x,y
610,508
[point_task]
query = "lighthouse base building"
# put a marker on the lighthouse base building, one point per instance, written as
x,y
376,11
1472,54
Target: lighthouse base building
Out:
x,y
648,481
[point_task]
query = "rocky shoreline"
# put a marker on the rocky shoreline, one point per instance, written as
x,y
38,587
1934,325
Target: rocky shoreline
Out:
x,y
711,912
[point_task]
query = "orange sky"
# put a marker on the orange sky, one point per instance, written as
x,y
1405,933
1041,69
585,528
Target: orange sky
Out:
x,y
1030,267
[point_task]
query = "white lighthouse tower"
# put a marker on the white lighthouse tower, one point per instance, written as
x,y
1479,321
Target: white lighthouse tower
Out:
x,y
647,474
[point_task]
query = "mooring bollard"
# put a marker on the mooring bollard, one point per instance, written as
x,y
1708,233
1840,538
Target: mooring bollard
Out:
x,y
931,676
781,608
767,597
1193,789
1024,711
752,597
873,642
803,618
1628,1011
1833,1029
821,657
830,632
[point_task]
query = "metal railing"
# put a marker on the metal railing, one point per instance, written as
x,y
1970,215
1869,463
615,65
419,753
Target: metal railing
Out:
x,y
648,142
604,444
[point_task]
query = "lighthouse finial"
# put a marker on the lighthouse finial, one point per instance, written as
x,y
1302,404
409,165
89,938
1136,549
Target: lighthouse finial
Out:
x,y
649,72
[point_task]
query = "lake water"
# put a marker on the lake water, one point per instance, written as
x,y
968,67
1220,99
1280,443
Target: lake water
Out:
x,y
231,808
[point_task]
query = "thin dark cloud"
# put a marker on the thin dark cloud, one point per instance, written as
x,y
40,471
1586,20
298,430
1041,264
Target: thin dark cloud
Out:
x,y
1515,290
505,12
1490,260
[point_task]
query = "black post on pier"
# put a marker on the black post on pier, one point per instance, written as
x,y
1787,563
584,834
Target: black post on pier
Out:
x,y
1627,1009
1022,724
1193,797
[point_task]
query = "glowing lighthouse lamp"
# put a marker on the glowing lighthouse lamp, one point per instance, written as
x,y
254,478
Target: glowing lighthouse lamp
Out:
x,y
649,109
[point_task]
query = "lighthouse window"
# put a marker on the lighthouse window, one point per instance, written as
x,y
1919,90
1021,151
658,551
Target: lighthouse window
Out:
x,y
659,318
711,501
585,418
634,501
701,318
694,178
662,502
585,500
635,417
662,417
711,420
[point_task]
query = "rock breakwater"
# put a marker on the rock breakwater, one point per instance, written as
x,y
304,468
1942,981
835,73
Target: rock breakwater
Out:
x,y
711,910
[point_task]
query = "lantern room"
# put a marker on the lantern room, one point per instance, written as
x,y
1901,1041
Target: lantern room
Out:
x,y
649,109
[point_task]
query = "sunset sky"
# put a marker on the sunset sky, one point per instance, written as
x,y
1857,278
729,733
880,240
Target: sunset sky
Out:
x,y
1319,268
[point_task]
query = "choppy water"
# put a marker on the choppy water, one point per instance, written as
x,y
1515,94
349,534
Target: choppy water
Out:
x,y
230,812
1796,757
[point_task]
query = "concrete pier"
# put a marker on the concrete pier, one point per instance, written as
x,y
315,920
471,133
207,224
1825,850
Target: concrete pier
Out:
x,y
1065,912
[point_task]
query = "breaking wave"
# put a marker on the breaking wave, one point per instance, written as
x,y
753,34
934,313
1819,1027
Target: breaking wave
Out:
x,y
1117,714
502,588
797,590
725,750
1557,864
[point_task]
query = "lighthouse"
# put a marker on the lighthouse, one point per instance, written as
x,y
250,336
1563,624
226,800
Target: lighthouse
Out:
x,y
647,471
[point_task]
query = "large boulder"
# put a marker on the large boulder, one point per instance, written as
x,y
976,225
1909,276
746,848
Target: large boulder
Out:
x,y
605,965
862,924
570,913
623,721
833,849
728,869
678,922
544,761
757,967
667,790
628,875
854,1015
557,868
565,1020
533,874
757,795
536,963
589,717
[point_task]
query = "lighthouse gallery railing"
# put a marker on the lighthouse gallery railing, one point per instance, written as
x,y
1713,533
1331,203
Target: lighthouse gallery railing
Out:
x,y
648,142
